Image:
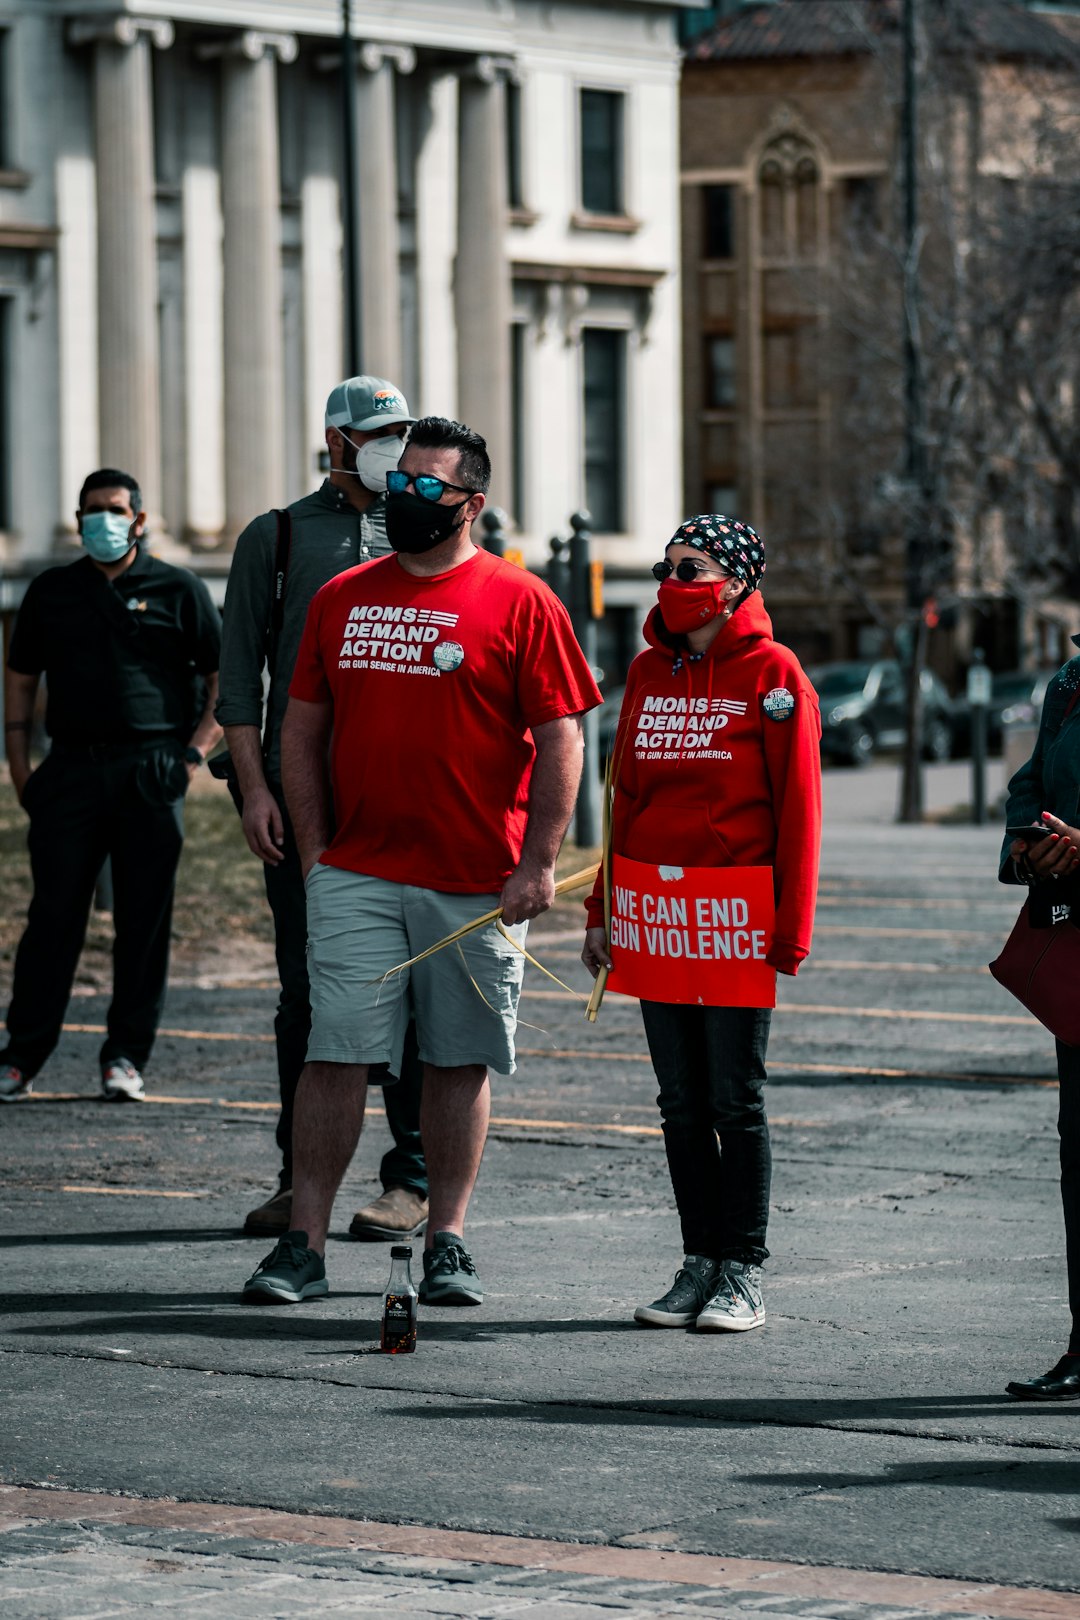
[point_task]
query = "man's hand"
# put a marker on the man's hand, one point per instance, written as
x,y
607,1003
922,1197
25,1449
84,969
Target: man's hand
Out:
x,y
527,892
594,953
1055,856
263,826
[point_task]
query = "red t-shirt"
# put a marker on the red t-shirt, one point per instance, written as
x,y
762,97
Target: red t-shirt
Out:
x,y
435,684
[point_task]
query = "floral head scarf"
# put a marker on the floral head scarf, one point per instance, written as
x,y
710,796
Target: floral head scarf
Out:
x,y
737,547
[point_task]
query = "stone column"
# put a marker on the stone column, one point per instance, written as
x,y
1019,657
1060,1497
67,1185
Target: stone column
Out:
x,y
377,204
128,360
482,271
254,341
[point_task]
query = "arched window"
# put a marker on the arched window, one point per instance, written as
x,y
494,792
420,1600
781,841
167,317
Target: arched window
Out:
x,y
789,193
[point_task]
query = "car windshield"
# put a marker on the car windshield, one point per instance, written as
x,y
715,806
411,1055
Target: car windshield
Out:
x,y
830,680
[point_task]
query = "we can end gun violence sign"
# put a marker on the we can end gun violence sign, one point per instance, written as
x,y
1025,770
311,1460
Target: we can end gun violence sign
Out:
x,y
696,934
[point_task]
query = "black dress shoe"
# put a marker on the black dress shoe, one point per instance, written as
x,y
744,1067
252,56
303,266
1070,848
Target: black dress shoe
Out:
x,y
1061,1383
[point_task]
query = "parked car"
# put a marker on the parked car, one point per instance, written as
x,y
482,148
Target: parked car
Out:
x,y
1016,698
863,709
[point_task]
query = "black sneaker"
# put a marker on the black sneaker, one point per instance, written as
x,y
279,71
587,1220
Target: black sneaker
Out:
x,y
290,1273
681,1305
449,1274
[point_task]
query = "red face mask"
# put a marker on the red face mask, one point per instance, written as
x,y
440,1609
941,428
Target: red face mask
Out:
x,y
688,607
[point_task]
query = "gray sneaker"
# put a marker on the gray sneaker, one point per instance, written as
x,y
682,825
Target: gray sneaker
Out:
x,y
13,1083
683,1302
449,1274
290,1274
736,1304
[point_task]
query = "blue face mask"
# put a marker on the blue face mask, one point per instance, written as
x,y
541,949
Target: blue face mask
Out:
x,y
107,536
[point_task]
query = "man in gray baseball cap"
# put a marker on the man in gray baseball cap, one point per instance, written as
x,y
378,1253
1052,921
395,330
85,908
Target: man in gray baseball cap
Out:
x,y
281,560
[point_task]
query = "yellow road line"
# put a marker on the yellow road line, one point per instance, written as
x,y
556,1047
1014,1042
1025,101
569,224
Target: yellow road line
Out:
x,y
133,1192
177,1034
902,1013
779,1066
910,903
904,933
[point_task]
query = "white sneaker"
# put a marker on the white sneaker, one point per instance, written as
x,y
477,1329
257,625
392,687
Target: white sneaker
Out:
x,y
13,1083
736,1304
121,1081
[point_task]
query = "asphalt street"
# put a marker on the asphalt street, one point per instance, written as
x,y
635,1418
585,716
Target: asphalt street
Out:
x,y
917,1265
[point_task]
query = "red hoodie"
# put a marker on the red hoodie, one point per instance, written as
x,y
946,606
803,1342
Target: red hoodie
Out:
x,y
717,764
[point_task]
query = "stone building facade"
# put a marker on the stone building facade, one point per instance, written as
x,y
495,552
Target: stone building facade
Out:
x,y
171,290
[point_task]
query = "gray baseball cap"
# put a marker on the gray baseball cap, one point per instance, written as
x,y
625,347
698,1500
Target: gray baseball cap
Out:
x,y
365,403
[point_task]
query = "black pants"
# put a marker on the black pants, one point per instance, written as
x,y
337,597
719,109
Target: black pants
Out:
x,y
710,1062
1069,1131
403,1165
129,807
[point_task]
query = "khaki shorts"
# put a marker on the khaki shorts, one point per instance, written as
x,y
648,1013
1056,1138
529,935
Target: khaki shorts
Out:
x,y
359,927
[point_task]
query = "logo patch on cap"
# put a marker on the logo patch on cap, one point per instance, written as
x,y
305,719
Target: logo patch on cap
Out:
x,y
448,655
385,399
779,704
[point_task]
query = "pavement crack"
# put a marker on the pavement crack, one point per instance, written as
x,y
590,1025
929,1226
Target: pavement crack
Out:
x,y
582,1409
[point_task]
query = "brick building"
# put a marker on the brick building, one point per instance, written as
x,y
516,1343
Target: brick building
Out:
x,y
790,220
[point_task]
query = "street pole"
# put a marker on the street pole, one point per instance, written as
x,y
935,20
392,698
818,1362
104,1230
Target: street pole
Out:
x,y
979,691
917,513
349,211
582,616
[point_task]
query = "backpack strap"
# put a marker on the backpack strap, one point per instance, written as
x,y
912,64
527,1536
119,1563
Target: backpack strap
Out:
x,y
278,581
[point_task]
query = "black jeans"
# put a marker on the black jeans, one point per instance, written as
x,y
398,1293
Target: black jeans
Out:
x,y
403,1165
1069,1131
128,806
710,1062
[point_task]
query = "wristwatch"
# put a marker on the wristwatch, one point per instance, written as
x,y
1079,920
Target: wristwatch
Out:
x,y
194,756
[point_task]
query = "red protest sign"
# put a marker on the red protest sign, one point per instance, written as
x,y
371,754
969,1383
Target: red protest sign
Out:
x,y
694,934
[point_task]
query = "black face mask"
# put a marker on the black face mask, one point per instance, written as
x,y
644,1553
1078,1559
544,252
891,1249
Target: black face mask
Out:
x,y
416,525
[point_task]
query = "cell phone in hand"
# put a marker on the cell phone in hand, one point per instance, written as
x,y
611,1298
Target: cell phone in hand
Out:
x,y
1030,833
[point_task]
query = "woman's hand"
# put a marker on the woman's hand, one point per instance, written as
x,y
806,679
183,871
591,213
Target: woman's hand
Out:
x,y
1055,856
594,952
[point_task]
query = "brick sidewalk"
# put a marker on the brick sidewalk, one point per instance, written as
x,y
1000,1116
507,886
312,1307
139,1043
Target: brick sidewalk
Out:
x,y
67,1555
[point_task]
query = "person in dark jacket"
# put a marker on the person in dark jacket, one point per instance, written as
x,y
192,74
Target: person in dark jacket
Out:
x,y
1047,790
755,801
129,649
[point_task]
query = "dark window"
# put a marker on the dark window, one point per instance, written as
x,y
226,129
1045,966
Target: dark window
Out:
x,y
517,408
718,225
6,311
601,151
862,205
514,188
790,367
720,386
6,159
605,404
723,498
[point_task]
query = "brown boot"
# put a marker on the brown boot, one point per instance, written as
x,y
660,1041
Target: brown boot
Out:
x,y
271,1218
396,1214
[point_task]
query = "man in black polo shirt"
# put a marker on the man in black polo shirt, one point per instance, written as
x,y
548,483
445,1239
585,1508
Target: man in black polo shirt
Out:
x,y
129,650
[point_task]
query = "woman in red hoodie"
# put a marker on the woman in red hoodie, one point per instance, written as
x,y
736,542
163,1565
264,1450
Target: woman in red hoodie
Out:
x,y
756,802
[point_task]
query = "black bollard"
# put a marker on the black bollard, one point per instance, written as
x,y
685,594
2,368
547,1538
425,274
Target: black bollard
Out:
x,y
587,823
493,523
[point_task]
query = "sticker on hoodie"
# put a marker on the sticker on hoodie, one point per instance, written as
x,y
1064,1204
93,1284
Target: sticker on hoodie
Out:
x,y
779,704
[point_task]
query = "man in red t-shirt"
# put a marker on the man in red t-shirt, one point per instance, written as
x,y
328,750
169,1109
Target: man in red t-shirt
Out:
x,y
434,720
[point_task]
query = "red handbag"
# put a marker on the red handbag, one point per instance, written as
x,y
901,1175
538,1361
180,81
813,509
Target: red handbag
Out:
x,y
1040,966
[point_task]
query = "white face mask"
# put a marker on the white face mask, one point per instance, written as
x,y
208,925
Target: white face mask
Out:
x,y
375,459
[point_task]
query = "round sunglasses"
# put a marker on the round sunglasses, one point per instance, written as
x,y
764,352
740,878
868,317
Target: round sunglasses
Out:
x,y
426,485
687,570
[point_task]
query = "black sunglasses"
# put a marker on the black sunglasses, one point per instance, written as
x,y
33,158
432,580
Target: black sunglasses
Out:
x,y
687,570
426,485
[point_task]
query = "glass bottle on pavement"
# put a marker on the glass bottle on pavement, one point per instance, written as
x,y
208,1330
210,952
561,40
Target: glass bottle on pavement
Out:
x,y
399,1305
